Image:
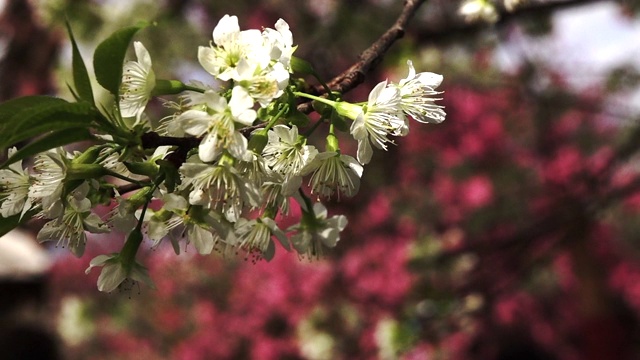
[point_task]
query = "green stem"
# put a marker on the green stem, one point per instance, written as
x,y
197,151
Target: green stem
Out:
x,y
277,117
324,85
332,140
316,98
122,177
135,238
307,202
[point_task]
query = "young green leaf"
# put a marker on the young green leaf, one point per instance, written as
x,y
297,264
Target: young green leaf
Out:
x,y
45,117
11,107
80,75
109,57
50,141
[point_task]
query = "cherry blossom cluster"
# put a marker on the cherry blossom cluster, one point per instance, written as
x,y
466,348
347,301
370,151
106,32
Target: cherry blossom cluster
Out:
x,y
221,170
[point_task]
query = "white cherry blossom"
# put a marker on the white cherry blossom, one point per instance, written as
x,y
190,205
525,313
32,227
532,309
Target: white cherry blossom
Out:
x,y
334,174
379,118
14,189
138,81
317,231
417,93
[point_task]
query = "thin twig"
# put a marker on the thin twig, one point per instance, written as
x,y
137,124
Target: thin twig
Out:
x,y
369,58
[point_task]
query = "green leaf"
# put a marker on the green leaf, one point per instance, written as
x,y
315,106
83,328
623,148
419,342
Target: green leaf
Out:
x,y
80,75
109,56
12,222
9,108
50,141
45,117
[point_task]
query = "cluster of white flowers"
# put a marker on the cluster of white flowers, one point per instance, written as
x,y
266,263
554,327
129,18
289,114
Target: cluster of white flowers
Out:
x,y
228,190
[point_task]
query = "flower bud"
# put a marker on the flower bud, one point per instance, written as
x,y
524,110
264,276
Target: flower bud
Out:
x,y
349,110
301,66
332,143
142,168
77,171
89,156
168,87
258,141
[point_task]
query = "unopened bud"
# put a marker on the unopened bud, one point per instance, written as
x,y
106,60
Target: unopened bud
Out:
x,y
301,66
77,171
168,87
258,141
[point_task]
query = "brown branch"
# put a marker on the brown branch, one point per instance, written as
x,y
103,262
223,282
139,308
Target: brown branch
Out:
x,y
369,58
453,28
372,56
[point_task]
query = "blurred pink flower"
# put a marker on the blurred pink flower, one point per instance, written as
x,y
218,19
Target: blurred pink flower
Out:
x,y
477,191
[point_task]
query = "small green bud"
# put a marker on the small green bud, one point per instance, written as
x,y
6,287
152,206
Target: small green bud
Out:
x,y
77,171
258,141
89,156
263,113
301,66
142,168
332,143
168,87
349,110
138,199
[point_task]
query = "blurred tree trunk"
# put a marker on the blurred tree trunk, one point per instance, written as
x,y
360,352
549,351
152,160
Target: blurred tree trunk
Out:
x,y
30,53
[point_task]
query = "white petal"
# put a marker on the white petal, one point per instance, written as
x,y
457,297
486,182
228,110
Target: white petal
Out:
x,y
364,151
412,70
320,210
283,28
99,260
173,202
198,197
143,55
202,239
194,122
139,273
240,99
358,129
238,147
206,57
269,252
375,93
215,101
208,149
156,230
352,164
94,224
430,79
112,275
291,185
226,28
285,134
279,234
